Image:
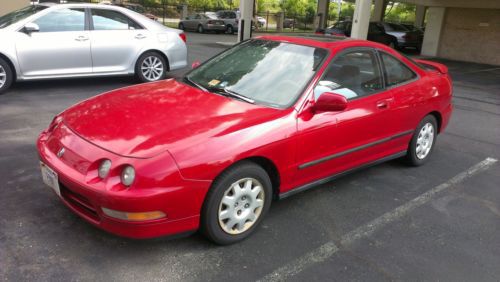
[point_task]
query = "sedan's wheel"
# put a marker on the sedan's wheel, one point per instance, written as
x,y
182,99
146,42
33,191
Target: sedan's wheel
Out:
x,y
236,203
200,29
423,140
181,26
392,45
6,76
230,29
151,67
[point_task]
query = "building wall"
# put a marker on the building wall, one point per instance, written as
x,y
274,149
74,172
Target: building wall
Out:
x,y
7,6
471,35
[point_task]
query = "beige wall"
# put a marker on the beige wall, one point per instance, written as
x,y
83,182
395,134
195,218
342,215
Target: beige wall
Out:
x,y
471,35
7,6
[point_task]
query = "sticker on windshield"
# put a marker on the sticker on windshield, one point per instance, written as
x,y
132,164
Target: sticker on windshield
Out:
x,y
213,82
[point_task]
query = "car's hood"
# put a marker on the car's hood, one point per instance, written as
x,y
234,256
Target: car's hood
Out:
x,y
145,120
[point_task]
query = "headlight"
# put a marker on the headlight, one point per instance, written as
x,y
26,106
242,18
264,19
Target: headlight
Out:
x,y
128,175
104,168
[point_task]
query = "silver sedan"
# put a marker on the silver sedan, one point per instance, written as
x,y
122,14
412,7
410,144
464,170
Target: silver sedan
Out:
x,y
76,40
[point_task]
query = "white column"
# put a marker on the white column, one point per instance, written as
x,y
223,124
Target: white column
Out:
x,y
378,10
432,35
322,13
184,13
419,15
361,19
246,12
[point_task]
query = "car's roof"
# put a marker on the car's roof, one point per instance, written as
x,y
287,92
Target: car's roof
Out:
x,y
321,41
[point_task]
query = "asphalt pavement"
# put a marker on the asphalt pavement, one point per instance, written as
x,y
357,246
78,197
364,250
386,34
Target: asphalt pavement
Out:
x,y
440,221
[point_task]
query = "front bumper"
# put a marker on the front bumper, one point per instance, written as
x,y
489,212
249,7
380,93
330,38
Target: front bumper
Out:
x,y
181,200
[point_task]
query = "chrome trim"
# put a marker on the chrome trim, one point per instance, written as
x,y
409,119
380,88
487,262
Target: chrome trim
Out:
x,y
362,147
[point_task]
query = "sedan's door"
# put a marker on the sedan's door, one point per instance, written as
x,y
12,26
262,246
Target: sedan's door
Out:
x,y
60,48
332,142
116,41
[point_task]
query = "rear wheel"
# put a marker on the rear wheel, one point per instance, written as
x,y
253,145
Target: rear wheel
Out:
x,y
151,66
236,203
422,142
200,29
181,26
6,76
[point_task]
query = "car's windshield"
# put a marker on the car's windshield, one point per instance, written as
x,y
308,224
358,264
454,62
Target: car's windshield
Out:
x,y
18,15
267,72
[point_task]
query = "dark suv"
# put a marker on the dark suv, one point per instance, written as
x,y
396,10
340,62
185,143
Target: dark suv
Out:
x,y
376,32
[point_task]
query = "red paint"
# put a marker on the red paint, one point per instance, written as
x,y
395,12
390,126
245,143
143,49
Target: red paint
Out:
x,y
180,138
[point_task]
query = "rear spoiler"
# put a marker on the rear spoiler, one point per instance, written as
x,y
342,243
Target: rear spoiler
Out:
x,y
433,65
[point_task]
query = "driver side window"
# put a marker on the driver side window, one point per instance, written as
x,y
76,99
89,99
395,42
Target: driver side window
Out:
x,y
353,74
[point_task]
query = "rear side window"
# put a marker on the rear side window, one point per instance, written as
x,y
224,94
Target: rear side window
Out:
x,y
112,20
395,71
354,74
62,20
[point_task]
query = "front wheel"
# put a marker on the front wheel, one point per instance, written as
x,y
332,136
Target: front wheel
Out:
x,y
236,203
6,76
422,142
200,29
181,26
151,66
230,29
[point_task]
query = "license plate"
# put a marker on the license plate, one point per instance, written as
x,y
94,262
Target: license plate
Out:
x,y
50,178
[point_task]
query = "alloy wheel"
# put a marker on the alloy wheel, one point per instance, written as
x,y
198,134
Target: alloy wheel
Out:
x,y
241,206
152,68
425,141
3,76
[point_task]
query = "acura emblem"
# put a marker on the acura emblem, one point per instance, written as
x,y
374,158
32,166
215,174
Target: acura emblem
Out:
x,y
60,153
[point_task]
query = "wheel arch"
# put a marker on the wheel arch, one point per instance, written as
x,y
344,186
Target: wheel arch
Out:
x,y
267,164
164,56
439,119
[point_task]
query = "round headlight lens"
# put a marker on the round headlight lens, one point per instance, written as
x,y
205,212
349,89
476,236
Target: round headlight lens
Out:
x,y
104,168
128,175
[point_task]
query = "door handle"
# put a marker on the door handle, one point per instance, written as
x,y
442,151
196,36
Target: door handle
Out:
x,y
140,36
82,38
384,104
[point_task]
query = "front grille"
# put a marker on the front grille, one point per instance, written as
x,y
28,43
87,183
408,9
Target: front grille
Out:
x,y
79,202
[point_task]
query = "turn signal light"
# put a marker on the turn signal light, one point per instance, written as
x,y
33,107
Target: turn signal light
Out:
x,y
134,216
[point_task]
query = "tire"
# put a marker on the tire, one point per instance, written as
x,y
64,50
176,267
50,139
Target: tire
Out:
x,y
423,142
230,29
147,60
181,26
393,45
6,76
241,204
200,29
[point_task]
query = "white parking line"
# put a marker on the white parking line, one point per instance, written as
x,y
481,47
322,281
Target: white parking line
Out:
x,y
327,250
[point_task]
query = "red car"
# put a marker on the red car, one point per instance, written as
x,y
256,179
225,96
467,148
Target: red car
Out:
x,y
265,119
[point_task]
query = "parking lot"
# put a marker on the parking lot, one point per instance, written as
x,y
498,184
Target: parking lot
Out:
x,y
390,222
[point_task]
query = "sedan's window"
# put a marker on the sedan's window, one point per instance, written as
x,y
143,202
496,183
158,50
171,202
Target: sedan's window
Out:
x,y
352,75
395,71
268,72
62,20
112,20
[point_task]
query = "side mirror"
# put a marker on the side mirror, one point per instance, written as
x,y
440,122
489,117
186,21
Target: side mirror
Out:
x,y
330,102
195,64
31,27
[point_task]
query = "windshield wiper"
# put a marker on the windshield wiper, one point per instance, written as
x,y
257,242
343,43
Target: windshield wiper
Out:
x,y
190,81
231,93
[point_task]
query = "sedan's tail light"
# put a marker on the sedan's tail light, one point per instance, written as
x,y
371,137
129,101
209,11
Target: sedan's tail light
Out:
x,y
183,37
